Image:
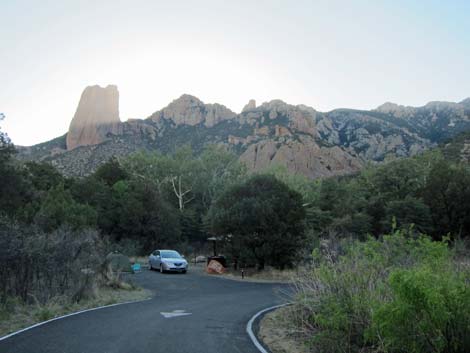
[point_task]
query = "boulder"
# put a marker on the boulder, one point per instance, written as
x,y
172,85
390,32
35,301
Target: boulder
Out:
x,y
215,267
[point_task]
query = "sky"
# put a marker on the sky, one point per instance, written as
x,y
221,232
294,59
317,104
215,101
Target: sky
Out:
x,y
325,54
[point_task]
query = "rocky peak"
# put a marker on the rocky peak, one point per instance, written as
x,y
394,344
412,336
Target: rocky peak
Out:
x,y
189,110
466,103
306,108
395,109
250,106
439,105
186,109
275,104
97,115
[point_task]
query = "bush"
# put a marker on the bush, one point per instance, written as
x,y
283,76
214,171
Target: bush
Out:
x,y
37,266
388,295
429,312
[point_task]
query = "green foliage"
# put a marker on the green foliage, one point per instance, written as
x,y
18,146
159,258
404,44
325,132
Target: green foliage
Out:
x,y
13,186
59,208
111,172
447,193
408,212
427,193
136,211
262,218
187,183
389,295
429,312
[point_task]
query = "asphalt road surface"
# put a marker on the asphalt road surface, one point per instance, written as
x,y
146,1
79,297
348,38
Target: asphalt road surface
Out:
x,y
189,313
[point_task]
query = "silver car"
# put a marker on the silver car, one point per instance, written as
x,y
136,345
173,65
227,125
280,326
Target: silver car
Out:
x,y
167,260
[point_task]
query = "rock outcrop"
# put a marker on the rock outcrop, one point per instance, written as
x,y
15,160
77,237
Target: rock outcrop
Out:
x,y
250,106
298,137
97,115
189,110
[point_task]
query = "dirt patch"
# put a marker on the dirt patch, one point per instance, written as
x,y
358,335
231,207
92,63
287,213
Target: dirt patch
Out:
x,y
268,275
275,333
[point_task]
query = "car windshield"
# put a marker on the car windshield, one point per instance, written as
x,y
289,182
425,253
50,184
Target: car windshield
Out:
x,y
170,254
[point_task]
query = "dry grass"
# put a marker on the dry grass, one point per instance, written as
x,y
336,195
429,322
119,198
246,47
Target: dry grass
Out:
x,y
267,275
277,333
15,315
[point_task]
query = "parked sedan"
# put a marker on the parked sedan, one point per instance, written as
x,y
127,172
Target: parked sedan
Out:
x,y
167,260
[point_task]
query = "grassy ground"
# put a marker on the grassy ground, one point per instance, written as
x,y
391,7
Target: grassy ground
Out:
x,y
267,275
15,315
278,335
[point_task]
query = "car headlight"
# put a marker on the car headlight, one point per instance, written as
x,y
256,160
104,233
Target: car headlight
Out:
x,y
167,264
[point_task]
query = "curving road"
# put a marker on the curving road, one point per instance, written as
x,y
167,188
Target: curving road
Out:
x,y
219,311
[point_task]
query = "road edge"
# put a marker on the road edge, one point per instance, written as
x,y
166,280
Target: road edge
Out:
x,y
67,315
249,326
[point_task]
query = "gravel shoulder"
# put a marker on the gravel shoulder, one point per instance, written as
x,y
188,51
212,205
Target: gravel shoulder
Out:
x,y
276,335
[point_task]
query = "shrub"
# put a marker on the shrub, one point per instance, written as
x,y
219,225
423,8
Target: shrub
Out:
x,y
388,295
429,312
37,266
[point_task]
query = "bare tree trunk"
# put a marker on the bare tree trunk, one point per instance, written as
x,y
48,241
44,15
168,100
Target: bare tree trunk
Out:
x,y
180,194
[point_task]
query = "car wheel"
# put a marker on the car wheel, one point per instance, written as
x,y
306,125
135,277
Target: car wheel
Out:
x,y
161,268
184,271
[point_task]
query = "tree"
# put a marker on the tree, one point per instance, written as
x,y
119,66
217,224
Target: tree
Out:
x,y
136,211
43,176
111,172
263,217
6,147
14,191
219,170
447,194
408,212
59,208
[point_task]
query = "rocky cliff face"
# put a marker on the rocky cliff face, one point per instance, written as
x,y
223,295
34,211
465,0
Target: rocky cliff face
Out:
x,y
97,116
189,110
299,137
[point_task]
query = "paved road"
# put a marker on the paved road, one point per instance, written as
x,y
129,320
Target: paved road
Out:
x,y
219,308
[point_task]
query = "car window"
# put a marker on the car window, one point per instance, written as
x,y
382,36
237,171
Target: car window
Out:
x,y
171,254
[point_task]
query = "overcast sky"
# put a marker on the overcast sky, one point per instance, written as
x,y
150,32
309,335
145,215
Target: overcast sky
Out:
x,y
326,54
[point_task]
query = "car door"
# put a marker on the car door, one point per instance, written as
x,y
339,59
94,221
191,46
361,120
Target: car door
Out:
x,y
152,259
157,259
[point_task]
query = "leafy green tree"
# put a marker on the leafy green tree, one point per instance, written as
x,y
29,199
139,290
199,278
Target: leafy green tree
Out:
x,y
263,217
408,212
447,193
14,190
6,147
59,208
111,172
136,211
43,176
219,169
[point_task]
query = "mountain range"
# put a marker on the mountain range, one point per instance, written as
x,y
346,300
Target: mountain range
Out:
x,y
306,141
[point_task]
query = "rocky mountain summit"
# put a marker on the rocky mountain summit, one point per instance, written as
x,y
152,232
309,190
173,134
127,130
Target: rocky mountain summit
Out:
x,y
304,140
97,115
